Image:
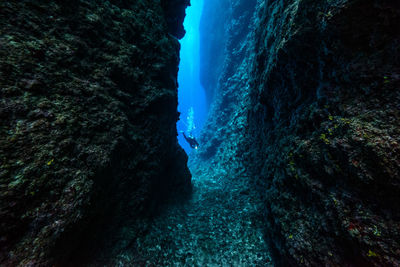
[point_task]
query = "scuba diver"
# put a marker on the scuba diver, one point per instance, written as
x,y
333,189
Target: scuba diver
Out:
x,y
191,140
190,127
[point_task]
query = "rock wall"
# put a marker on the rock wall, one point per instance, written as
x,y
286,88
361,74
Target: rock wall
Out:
x,y
230,86
326,92
88,107
174,14
307,107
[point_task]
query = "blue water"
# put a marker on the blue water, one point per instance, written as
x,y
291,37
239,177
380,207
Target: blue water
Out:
x,y
190,92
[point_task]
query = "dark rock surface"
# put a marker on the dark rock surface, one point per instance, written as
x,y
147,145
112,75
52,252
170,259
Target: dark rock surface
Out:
x,y
174,11
327,80
308,109
302,141
88,106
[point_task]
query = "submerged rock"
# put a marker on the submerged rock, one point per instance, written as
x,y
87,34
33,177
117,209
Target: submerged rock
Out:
x,y
302,140
174,11
307,107
327,127
88,107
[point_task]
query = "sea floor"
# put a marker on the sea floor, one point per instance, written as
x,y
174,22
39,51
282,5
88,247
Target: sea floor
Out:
x,y
218,226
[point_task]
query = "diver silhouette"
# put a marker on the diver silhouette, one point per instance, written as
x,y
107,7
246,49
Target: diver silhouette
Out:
x,y
191,140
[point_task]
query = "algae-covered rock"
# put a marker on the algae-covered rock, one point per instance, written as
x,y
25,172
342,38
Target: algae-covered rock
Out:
x,y
88,106
306,106
326,92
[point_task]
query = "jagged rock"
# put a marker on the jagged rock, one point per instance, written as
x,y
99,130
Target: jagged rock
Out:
x,y
307,106
229,91
304,120
326,75
174,11
88,106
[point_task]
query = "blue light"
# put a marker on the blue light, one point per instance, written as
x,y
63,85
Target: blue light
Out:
x,y
190,92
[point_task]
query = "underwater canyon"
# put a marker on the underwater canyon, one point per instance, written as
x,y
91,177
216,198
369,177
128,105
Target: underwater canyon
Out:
x,y
298,161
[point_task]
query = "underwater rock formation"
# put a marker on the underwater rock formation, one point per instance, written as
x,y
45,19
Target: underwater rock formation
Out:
x,y
88,107
303,132
327,76
307,106
174,11
230,90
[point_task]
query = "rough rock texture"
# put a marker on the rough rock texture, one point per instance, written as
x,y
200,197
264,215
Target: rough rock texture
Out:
x,y
220,225
228,113
174,11
326,117
87,136
308,109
